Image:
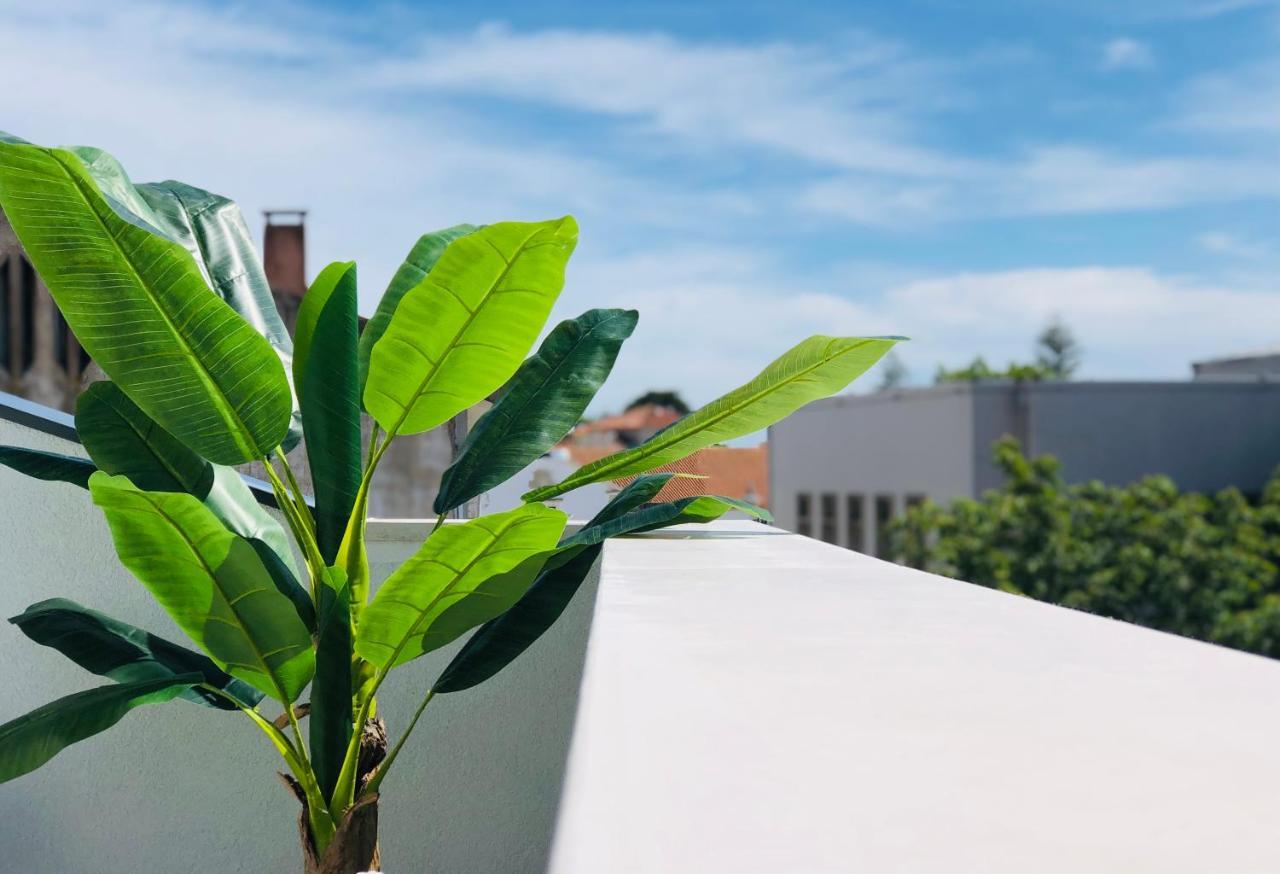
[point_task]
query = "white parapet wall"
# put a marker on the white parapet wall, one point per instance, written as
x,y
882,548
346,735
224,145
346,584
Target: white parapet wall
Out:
x,y
734,699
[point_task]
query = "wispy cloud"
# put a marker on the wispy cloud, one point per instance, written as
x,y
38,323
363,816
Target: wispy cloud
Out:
x,y
1232,246
1124,53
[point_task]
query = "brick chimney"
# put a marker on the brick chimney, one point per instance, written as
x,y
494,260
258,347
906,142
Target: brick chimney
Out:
x,y
284,257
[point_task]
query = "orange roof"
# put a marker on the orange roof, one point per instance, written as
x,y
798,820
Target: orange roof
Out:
x,y
723,470
644,418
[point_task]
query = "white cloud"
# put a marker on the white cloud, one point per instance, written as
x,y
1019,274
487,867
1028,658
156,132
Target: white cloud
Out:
x,y
1243,100
1231,246
1124,53
849,107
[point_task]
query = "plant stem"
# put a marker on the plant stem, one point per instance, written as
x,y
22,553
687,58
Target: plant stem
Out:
x,y
300,500
301,530
376,781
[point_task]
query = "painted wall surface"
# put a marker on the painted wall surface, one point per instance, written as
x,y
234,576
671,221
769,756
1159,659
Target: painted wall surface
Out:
x,y
178,787
895,443
1206,435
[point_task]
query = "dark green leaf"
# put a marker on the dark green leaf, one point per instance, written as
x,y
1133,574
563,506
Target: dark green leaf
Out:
x,y
48,466
327,377
126,653
331,690
29,741
424,255
500,641
700,508
541,403
124,441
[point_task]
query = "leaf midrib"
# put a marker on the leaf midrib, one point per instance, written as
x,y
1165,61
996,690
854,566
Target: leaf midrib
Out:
x,y
509,265
213,577
657,445
201,372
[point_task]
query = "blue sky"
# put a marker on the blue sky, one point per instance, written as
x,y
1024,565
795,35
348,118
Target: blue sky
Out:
x,y
745,174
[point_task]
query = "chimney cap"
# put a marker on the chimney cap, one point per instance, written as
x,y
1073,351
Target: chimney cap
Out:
x,y
270,215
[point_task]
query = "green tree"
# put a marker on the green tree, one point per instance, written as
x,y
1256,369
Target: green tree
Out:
x,y
893,373
669,399
1057,352
1203,566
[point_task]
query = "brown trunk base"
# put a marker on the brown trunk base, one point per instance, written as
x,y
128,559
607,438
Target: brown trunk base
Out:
x,y
354,847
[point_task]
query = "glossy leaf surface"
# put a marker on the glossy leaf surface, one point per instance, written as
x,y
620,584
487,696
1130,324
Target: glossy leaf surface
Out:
x,y
327,376
48,466
210,227
502,640
126,653
464,575
541,403
461,332
415,267
140,307
29,741
331,716
211,582
816,368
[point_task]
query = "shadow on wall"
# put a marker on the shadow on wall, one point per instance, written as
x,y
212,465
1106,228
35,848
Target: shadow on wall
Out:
x,y
476,790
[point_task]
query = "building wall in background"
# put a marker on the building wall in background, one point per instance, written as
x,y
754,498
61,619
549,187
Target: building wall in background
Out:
x,y
865,458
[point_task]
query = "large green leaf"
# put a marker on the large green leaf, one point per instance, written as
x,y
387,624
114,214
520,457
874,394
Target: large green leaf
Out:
x,y
541,403
327,376
816,368
462,576
125,441
29,741
48,466
502,640
421,258
140,306
331,719
699,509
211,582
212,229
462,331
126,653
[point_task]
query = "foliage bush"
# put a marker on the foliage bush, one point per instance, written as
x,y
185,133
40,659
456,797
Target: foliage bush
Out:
x,y
1203,566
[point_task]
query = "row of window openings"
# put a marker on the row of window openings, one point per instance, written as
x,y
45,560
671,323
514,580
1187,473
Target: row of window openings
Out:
x,y
25,304
828,519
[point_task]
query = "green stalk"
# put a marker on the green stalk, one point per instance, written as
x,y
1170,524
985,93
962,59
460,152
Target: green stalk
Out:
x,y
376,781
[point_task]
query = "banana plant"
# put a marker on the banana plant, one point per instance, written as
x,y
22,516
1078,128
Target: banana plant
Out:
x,y
283,625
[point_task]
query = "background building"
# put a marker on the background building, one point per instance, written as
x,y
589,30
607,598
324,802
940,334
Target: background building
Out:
x,y
842,468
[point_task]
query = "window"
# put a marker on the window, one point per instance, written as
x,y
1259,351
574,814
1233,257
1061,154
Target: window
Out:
x,y
60,332
914,501
804,515
829,530
27,314
853,522
4,314
884,515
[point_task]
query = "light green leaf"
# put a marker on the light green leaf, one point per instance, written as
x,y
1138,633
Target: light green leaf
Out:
x,y
421,258
48,466
29,741
541,403
126,653
140,307
327,376
211,582
212,229
462,576
816,368
125,441
461,332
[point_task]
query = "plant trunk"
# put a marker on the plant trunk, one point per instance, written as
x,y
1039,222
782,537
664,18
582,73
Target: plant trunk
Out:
x,y
354,847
